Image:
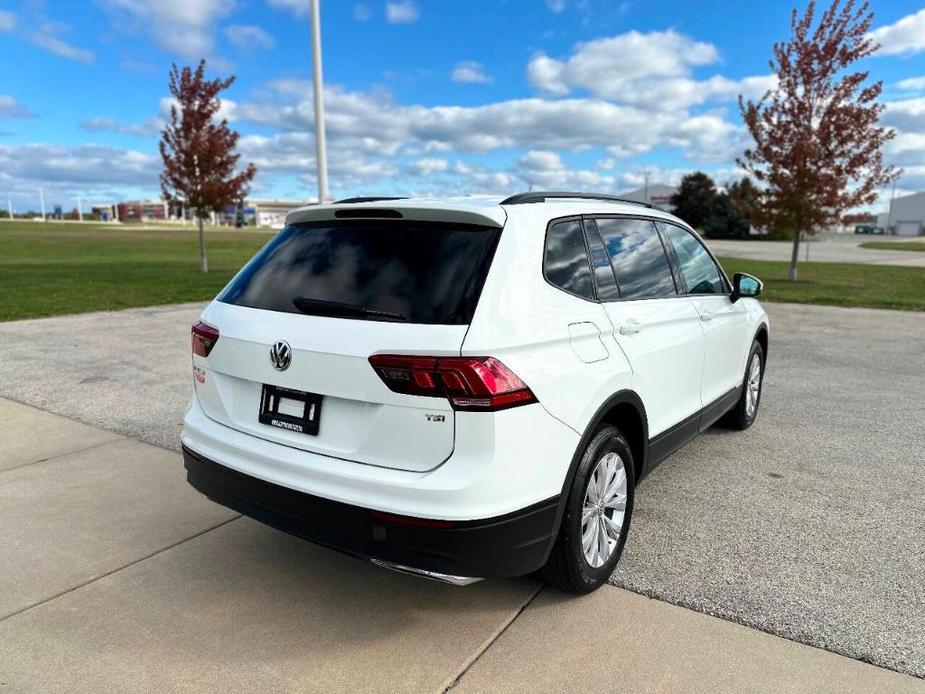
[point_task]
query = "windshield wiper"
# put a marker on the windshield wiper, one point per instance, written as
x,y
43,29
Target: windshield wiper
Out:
x,y
338,309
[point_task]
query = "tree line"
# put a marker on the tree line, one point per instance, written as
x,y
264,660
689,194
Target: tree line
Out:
x,y
717,214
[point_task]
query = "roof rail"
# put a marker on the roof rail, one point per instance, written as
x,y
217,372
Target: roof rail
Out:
x,y
543,196
350,201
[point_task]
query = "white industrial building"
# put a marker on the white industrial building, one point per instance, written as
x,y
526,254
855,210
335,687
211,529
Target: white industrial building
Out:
x,y
270,213
906,216
657,194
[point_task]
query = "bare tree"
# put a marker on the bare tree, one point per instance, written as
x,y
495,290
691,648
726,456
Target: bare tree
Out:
x,y
817,150
198,152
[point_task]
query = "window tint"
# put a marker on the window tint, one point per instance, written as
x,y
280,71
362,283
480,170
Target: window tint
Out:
x,y
566,260
697,267
600,262
638,257
419,272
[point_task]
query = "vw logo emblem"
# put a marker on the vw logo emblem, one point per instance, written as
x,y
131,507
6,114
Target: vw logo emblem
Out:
x,y
281,355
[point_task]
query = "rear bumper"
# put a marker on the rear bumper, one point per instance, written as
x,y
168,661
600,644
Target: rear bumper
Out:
x,y
505,546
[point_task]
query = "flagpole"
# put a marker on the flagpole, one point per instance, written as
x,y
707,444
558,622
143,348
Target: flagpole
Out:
x,y
321,155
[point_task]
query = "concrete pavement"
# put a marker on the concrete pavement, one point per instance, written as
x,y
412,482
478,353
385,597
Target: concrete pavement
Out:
x,y
617,641
32,444
124,371
825,249
807,526
117,577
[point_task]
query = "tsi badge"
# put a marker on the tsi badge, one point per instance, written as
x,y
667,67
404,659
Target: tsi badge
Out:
x,y
281,355
435,417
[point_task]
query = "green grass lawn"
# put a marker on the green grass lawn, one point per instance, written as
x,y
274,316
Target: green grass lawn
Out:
x,y
53,269
837,284
918,246
56,268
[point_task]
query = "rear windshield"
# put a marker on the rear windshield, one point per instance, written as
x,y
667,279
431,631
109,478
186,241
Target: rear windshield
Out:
x,y
416,272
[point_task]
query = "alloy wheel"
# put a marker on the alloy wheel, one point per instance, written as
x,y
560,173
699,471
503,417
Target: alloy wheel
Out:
x,y
603,510
753,386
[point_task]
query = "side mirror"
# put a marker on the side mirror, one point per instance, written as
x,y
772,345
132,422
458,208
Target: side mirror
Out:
x,y
745,285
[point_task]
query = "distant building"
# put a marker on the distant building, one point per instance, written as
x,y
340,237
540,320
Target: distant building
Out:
x,y
105,213
657,194
263,213
141,210
269,213
907,215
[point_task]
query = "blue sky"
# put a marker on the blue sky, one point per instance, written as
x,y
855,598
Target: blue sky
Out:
x,y
423,96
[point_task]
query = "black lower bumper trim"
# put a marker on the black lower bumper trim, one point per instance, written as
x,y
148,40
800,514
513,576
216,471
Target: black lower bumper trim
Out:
x,y
505,546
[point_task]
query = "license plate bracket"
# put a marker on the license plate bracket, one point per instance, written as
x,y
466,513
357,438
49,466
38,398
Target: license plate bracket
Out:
x,y
289,409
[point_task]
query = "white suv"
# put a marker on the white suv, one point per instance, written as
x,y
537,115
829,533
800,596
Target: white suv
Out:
x,y
462,388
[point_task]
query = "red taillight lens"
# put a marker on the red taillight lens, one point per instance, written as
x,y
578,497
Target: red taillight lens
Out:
x,y
413,522
204,339
469,383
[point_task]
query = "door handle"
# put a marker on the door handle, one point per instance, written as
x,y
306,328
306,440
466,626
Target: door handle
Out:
x,y
706,316
631,327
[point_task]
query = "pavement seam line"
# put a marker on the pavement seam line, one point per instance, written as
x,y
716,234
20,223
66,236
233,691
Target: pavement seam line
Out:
x,y
116,570
724,616
64,455
489,642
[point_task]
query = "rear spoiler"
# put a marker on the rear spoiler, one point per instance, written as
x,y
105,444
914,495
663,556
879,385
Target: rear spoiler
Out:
x,y
487,215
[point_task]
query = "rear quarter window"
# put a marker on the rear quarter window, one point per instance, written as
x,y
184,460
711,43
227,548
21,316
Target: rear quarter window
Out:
x,y
565,259
418,272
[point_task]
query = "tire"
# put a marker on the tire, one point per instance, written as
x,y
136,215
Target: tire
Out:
x,y
568,567
742,416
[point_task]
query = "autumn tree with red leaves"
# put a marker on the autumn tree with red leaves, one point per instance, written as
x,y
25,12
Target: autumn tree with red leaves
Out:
x,y
817,150
200,164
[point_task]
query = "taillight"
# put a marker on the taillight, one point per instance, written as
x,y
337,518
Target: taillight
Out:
x,y
204,338
469,383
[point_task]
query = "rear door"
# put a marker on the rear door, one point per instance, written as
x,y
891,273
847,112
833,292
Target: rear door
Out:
x,y
725,324
656,328
337,292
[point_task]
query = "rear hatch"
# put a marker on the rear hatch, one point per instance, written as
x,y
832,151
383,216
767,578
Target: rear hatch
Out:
x,y
337,291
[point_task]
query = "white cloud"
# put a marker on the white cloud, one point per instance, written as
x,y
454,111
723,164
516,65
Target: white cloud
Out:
x,y
182,27
402,12
469,71
912,84
481,179
298,7
11,108
78,166
7,20
429,166
905,115
652,70
572,124
607,66
547,75
546,170
906,149
48,38
906,36
556,6
246,37
361,12
152,126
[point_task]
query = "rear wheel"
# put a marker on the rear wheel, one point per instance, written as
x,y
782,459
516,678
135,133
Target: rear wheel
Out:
x,y
743,415
597,516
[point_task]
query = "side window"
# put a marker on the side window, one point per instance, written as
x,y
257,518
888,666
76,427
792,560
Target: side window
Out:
x,y
565,262
638,258
697,267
